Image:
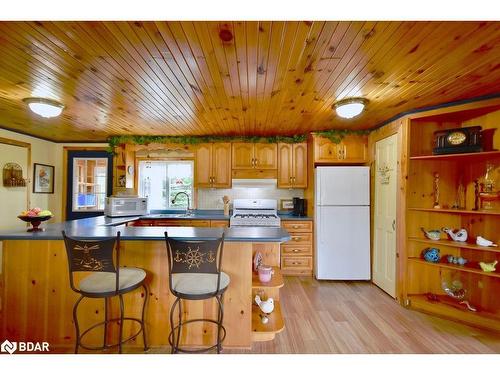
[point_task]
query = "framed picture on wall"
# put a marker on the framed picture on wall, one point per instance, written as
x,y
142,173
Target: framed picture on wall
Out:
x,y
43,178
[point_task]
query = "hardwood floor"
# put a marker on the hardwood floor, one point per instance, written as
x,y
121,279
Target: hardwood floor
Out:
x,y
358,317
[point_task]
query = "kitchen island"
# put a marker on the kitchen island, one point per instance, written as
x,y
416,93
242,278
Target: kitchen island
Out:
x,y
37,300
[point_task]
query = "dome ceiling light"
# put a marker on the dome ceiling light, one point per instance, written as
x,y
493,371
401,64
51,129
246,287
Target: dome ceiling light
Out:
x,y
44,107
350,107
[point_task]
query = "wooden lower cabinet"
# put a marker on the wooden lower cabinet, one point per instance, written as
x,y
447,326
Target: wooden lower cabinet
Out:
x,y
170,223
297,254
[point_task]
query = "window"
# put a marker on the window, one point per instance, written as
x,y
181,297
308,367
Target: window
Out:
x,y
89,184
161,180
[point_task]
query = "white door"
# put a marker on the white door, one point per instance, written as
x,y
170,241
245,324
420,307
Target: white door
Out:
x,y
343,186
384,238
343,242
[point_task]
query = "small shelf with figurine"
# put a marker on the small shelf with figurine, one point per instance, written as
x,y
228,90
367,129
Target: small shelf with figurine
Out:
x,y
472,267
445,306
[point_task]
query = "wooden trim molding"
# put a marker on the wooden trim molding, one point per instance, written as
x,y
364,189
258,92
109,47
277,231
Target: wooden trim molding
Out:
x,y
64,189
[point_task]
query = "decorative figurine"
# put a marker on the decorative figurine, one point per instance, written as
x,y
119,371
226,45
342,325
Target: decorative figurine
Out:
x,y
266,306
476,195
460,236
456,260
488,267
257,261
436,191
488,193
433,234
431,254
456,291
481,241
459,203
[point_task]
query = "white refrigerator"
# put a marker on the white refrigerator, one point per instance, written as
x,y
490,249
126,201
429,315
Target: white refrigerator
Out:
x,y
342,221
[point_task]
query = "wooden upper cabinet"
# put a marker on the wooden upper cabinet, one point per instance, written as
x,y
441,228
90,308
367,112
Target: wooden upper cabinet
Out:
x,y
325,150
266,155
243,155
213,165
221,165
300,165
353,149
285,165
203,165
255,156
292,165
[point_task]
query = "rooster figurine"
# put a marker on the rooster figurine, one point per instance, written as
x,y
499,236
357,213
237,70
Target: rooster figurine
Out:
x,y
460,235
266,306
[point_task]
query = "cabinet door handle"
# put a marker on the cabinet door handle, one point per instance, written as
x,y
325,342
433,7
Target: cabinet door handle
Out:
x,y
290,180
394,224
293,180
296,227
345,152
256,162
296,238
295,250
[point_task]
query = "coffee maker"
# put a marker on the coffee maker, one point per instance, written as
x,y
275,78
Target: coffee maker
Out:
x,y
299,207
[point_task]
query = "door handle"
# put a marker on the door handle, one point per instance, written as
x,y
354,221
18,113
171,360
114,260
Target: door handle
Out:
x,y
394,225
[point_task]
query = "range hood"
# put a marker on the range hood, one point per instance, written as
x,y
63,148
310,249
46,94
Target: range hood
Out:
x,y
255,182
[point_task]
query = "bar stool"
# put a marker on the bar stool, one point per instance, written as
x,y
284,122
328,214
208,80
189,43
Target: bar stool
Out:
x,y
100,278
195,274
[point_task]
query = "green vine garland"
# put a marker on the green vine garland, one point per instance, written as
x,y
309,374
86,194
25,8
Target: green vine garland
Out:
x,y
334,135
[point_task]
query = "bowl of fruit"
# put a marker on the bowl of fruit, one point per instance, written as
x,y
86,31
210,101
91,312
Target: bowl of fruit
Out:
x,y
35,216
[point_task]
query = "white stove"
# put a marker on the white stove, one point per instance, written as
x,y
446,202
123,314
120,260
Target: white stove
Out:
x,y
255,213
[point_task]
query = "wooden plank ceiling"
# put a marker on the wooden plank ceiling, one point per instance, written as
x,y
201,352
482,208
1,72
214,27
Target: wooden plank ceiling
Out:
x,y
227,78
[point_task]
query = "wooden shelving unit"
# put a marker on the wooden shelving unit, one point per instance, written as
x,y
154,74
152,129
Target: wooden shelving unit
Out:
x,y
472,268
422,277
450,309
470,156
453,211
449,243
276,324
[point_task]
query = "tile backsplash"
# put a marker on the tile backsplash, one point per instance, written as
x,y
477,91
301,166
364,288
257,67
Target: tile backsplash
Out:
x,y
212,198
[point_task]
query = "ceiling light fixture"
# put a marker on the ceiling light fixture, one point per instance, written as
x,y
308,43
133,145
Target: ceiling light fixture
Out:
x,y
44,107
350,107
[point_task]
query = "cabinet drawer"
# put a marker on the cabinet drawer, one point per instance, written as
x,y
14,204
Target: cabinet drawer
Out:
x,y
198,223
291,263
298,226
219,223
287,250
300,238
169,223
141,223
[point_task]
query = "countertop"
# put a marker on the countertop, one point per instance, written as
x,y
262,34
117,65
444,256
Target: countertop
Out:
x,y
209,215
102,227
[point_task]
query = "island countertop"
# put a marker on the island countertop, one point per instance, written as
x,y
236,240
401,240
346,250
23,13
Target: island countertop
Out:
x,y
102,227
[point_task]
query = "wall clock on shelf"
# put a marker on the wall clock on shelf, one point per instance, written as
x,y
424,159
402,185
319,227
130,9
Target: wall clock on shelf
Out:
x,y
458,140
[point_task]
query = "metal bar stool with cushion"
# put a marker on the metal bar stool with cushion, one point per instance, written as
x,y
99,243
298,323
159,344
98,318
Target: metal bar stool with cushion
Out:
x,y
195,274
102,279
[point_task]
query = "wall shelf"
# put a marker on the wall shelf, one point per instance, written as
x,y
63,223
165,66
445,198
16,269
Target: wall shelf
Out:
x,y
451,309
276,281
453,211
471,267
450,243
266,332
471,155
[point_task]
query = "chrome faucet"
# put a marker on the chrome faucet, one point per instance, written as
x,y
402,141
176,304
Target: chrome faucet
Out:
x,y
188,209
